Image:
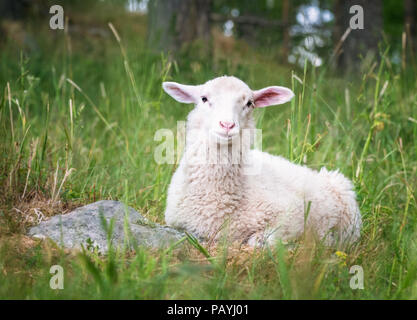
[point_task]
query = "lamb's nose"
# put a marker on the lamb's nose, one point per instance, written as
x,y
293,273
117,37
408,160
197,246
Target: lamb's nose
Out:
x,y
227,125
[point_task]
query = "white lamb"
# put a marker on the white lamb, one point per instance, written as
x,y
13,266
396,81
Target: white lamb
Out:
x,y
279,200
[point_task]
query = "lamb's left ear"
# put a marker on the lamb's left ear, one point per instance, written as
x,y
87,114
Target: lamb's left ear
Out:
x,y
270,96
181,92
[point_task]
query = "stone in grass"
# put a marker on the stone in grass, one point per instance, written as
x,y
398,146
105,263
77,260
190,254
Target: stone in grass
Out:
x,y
84,226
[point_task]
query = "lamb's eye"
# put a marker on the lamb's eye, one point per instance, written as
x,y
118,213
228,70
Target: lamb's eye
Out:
x,y
249,104
204,99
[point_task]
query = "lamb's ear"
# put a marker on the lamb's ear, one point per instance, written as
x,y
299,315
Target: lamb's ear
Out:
x,y
181,92
270,96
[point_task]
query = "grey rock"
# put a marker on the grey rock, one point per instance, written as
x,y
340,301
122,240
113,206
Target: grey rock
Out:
x,y
84,226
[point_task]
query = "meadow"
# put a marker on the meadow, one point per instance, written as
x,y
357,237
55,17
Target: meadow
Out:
x,y
77,123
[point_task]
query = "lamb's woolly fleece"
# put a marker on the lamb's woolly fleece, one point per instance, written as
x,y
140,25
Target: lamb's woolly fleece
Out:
x,y
207,198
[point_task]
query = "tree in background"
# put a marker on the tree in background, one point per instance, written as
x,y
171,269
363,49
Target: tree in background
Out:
x,y
360,43
175,23
286,32
13,9
13,14
410,17
264,24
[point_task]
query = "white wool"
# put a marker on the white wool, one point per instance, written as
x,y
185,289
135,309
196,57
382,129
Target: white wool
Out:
x,y
210,199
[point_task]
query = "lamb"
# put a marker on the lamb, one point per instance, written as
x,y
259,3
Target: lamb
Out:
x,y
280,200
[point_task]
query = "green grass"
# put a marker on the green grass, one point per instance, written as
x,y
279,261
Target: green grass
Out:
x,y
77,124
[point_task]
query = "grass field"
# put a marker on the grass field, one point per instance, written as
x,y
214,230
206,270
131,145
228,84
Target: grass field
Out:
x,y
77,124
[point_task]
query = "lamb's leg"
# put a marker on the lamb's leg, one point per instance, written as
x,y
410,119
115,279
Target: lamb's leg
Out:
x,y
287,227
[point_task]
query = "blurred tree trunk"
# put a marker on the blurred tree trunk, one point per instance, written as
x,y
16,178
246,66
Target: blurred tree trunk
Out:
x,y
13,9
410,17
286,33
174,23
360,43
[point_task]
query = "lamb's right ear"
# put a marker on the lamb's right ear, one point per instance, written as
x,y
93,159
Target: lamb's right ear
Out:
x,y
181,92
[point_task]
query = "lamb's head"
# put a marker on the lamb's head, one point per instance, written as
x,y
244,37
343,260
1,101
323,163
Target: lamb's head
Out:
x,y
224,105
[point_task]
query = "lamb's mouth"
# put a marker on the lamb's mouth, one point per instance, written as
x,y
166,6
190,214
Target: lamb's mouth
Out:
x,y
224,137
